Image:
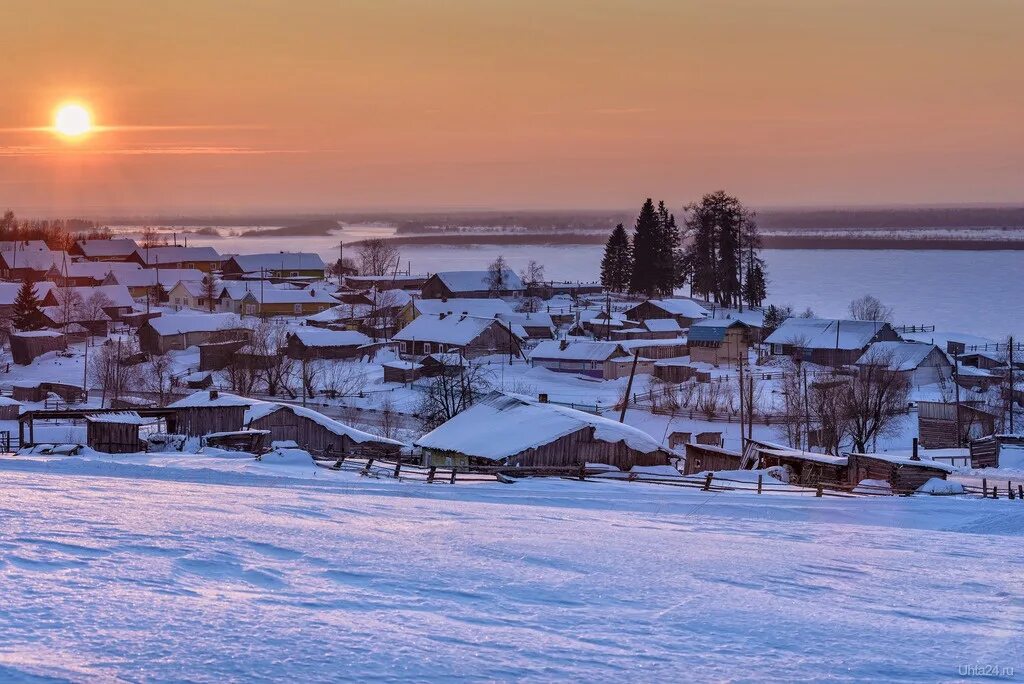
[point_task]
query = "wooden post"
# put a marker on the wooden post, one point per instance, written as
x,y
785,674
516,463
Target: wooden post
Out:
x,y
398,466
759,477
1009,487
452,480
430,473
629,388
583,471
707,481
818,493
984,488
995,492
1020,492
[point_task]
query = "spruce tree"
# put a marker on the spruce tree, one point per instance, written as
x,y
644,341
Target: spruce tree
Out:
x,y
667,246
617,263
754,286
26,307
725,244
646,245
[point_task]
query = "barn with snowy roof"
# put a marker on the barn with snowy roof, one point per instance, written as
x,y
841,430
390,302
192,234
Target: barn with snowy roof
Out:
x,y
508,429
315,432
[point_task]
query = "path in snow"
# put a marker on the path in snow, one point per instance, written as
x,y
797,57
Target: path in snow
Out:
x,y
141,576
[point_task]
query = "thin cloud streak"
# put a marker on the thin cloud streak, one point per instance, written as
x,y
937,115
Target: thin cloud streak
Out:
x,y
28,151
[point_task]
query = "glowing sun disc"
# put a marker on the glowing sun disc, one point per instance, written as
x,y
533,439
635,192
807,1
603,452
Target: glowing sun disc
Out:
x,y
72,120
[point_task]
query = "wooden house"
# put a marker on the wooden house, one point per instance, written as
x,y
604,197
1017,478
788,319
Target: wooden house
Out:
x,y
275,265
286,301
657,349
153,282
114,300
206,412
719,341
682,311
582,357
113,249
9,293
510,430
216,355
985,452
183,330
662,328
481,308
88,273
309,344
316,433
904,474
471,284
94,323
114,433
31,391
205,259
920,363
28,264
470,336
707,457
189,294
828,342
937,424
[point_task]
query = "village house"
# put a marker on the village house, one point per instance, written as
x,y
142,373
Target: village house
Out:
x,y
285,302
938,423
189,294
536,325
152,281
662,328
316,433
27,345
33,264
92,321
719,341
183,330
114,300
517,432
9,293
683,311
274,266
828,342
471,336
582,357
708,457
483,308
114,249
205,259
317,343
921,363
470,284
86,273
412,283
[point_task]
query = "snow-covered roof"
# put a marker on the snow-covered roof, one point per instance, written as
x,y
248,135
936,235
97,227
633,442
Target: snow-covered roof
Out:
x,y
35,333
900,356
319,337
476,281
502,425
538,319
23,246
662,325
641,344
287,261
117,247
172,255
147,277
681,307
194,288
187,322
825,333
56,314
9,291
806,456
122,417
456,329
35,259
907,461
262,409
97,270
577,351
117,295
202,399
463,305
291,296
712,329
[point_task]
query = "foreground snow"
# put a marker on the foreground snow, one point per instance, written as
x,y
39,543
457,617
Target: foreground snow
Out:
x,y
206,569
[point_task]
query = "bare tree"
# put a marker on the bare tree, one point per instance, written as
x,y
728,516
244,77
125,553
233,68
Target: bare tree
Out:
x,y
869,308
378,257
384,312
339,378
497,276
92,307
875,399
69,305
825,399
533,274
210,290
448,394
792,408
151,237
111,371
158,378
388,426
269,339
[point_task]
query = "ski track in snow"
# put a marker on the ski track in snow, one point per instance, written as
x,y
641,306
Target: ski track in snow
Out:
x,y
131,572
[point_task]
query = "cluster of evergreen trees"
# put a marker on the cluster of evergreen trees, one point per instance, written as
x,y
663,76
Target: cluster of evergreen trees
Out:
x,y
721,260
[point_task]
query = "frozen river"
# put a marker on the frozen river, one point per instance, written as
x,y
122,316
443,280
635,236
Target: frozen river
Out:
x,y
980,292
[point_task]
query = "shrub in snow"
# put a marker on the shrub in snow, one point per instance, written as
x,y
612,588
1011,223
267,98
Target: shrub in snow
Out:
x,y
938,486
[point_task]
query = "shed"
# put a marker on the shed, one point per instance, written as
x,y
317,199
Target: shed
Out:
x,y
806,468
27,345
701,457
719,341
505,429
904,474
920,363
447,284
315,432
183,330
401,371
9,408
208,411
937,424
114,433
309,343
828,342
985,452
583,356
683,311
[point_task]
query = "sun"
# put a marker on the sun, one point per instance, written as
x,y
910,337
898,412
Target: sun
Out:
x,y
72,120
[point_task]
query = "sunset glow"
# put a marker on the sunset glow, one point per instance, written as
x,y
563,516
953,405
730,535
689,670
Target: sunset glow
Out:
x,y
72,120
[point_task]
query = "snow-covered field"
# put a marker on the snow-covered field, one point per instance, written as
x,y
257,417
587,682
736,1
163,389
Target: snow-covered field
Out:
x,y
212,569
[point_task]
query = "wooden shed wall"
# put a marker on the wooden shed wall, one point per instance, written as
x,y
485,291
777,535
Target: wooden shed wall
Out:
x,y
202,420
113,438
581,447
699,459
313,437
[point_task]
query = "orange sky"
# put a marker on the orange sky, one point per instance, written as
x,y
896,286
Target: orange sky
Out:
x,y
339,104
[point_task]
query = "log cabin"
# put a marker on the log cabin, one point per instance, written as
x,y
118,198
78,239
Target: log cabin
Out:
x,y
206,412
471,284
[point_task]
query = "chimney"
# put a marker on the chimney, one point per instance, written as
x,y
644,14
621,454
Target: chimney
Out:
x,y
914,456
542,398
214,394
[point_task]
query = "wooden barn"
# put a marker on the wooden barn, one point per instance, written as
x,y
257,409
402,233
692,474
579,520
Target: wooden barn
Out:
x,y
904,474
937,424
183,330
683,311
28,391
471,336
206,412
702,457
315,432
401,371
510,430
9,408
449,284
805,468
309,344
27,345
217,355
114,433
828,342
719,341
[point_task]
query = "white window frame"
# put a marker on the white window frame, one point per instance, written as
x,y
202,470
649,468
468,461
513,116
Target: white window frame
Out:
x,y
426,348
297,308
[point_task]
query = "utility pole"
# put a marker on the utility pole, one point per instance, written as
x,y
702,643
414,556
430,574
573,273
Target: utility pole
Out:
x,y
807,414
956,387
629,387
1010,359
740,366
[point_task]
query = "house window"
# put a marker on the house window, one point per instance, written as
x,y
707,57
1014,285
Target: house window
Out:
x,y
250,308
426,347
777,349
404,348
294,274
191,265
298,308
